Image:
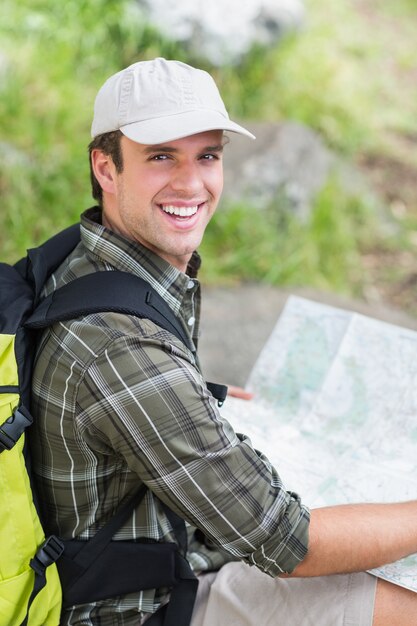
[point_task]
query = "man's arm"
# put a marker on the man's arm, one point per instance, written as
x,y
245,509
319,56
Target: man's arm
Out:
x,y
350,538
144,399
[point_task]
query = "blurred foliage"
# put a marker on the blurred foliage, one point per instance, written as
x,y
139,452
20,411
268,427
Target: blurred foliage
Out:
x,y
274,247
338,76
53,59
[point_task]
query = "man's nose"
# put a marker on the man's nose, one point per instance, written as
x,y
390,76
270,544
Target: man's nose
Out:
x,y
187,178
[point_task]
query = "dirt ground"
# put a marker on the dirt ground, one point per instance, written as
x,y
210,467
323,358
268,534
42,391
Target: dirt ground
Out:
x,y
237,321
392,269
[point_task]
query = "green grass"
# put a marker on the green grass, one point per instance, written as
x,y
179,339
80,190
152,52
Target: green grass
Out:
x,y
56,56
271,246
339,75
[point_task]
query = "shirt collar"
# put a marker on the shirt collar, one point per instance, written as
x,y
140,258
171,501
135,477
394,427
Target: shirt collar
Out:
x,y
130,256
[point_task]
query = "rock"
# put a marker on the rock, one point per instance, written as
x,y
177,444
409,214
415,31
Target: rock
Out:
x,y
237,321
223,32
287,161
13,157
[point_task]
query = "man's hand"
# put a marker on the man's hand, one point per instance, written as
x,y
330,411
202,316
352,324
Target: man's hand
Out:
x,y
238,392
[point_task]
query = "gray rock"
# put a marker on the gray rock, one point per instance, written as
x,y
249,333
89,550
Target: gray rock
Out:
x,y
223,31
237,321
11,156
4,66
287,162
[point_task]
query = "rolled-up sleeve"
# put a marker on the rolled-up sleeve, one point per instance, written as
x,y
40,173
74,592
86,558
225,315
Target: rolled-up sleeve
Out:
x,y
144,398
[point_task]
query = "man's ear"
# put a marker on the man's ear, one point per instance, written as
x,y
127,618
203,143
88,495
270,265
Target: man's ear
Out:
x,y
104,170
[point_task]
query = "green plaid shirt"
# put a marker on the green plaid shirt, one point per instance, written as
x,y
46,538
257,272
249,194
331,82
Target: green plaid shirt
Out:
x,y
118,402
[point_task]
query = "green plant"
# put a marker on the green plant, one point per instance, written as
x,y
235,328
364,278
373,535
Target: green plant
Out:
x,y
54,58
272,246
358,91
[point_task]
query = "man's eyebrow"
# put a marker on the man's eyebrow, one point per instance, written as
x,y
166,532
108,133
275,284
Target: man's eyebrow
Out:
x,y
159,148
217,148
171,149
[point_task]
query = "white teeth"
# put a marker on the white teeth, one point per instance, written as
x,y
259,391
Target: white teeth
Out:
x,y
180,211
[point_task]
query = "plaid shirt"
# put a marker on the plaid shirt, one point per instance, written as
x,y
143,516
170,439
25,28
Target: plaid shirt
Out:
x,y
118,402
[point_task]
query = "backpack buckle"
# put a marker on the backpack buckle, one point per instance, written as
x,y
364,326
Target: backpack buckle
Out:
x,y
13,428
219,392
48,553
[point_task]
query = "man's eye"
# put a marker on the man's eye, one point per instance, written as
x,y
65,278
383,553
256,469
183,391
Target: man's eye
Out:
x,y
159,157
209,157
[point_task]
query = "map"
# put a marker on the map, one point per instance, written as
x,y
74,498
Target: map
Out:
x,y
336,410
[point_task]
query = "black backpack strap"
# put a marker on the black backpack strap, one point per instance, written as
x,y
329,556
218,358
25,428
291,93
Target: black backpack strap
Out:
x,y
95,546
115,291
118,292
180,607
40,262
91,570
218,391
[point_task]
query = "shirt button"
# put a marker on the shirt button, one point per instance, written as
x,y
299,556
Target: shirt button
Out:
x,y
190,284
191,321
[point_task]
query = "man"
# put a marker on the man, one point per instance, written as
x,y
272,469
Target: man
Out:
x,y
120,402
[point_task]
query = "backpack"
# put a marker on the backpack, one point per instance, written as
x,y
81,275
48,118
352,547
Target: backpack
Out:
x,y
38,574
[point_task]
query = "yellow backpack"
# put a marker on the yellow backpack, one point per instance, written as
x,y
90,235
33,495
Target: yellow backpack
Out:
x,y
21,535
30,590
38,575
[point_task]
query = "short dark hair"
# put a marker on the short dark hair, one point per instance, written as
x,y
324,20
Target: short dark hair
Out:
x,y
110,144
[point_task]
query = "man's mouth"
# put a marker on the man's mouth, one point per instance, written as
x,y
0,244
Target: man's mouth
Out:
x,y
179,211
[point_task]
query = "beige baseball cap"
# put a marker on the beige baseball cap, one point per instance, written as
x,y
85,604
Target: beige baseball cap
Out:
x,y
156,101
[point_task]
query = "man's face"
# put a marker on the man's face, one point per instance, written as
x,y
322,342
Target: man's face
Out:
x,y
167,193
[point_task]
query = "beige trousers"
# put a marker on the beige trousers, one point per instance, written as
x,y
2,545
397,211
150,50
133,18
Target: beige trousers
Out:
x,y
239,595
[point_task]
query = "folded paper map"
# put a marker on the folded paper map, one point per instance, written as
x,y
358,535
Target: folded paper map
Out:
x,y
335,411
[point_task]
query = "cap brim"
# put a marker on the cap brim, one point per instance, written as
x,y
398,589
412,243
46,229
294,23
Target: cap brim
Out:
x,y
161,129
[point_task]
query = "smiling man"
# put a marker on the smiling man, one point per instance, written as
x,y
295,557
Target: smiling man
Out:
x,y
120,402
165,195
